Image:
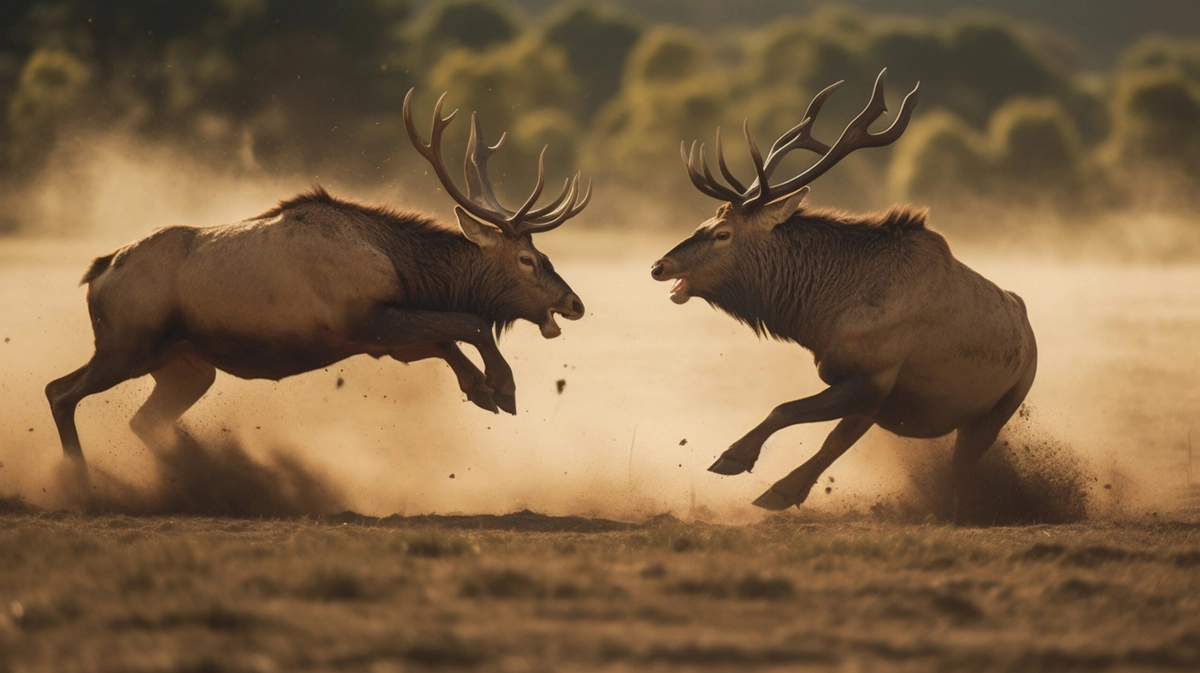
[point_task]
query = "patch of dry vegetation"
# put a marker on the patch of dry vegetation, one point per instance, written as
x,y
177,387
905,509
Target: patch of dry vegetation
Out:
x,y
120,593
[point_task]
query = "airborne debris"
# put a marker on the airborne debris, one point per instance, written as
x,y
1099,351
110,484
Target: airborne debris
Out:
x,y
683,442
451,475
561,383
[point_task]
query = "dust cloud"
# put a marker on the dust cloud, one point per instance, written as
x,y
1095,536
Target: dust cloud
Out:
x,y
653,392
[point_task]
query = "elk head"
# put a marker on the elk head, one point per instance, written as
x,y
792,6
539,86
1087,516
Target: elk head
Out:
x,y
504,236
710,256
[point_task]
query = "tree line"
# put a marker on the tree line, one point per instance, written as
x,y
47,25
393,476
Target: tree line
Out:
x,y
280,86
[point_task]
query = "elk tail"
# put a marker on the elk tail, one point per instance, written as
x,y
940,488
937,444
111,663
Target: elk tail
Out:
x,y
99,266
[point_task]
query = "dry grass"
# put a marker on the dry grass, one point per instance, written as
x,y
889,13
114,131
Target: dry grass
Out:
x,y
352,593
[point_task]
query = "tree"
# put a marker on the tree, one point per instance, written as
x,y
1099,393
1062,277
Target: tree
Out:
x,y
672,88
1156,125
596,42
522,88
50,91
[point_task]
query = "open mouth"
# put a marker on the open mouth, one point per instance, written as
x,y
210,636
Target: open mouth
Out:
x,y
549,326
680,291
571,310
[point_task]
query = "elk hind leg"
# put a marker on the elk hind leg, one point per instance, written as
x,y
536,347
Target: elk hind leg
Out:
x,y
794,488
975,437
177,386
102,372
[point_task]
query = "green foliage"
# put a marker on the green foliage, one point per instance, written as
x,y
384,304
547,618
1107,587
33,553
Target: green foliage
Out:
x,y
1156,115
940,159
1037,146
471,24
315,87
672,89
596,42
515,88
1031,151
1158,52
49,92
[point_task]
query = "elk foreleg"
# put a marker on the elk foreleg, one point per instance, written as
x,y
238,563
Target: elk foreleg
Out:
x,y
794,488
393,327
470,380
845,398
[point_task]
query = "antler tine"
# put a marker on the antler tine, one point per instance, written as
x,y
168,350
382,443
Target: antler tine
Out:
x,y
475,167
855,136
892,133
552,207
433,154
567,211
693,174
537,191
726,192
799,136
567,204
733,181
759,166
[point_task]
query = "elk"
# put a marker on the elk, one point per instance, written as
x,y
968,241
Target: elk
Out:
x,y
904,335
316,280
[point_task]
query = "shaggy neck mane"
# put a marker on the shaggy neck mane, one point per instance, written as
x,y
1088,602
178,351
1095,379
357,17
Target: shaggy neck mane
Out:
x,y
799,278
438,268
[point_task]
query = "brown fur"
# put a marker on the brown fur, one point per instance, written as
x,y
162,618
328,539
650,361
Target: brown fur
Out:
x,y
310,282
906,336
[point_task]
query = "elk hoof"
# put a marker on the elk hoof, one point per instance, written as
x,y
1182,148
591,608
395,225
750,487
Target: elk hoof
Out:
x,y
774,501
483,400
507,403
728,466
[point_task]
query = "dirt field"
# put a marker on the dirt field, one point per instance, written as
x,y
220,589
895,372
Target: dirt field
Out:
x,y
227,552
526,592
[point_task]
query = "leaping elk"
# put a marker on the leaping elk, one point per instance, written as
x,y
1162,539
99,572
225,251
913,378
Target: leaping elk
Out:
x,y
905,336
316,280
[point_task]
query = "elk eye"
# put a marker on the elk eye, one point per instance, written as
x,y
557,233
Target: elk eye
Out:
x,y
723,235
526,260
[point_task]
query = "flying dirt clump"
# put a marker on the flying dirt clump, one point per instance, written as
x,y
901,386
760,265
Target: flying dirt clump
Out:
x,y
217,478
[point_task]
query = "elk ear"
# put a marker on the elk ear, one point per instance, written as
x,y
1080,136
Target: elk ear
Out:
x,y
483,235
782,208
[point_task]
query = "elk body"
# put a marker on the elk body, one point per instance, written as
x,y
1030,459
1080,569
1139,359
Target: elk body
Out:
x,y
316,280
905,336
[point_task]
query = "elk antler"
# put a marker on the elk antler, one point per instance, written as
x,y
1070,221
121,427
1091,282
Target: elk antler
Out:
x,y
480,200
855,136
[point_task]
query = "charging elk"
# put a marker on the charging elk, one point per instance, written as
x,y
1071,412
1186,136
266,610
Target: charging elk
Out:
x,y
316,280
905,336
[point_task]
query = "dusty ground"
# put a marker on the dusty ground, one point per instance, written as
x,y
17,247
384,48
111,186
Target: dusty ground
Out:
x,y
213,555
527,592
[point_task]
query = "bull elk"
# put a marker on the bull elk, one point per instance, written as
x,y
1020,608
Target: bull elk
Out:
x,y
906,336
318,279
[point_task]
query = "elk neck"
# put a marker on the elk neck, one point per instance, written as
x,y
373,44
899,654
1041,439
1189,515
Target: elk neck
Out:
x,y
446,272
797,280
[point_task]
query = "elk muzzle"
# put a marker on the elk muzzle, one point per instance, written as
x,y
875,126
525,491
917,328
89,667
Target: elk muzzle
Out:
x,y
666,269
571,308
